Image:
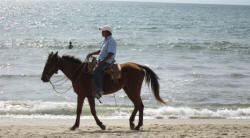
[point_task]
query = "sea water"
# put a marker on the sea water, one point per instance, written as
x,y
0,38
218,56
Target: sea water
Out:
x,y
200,52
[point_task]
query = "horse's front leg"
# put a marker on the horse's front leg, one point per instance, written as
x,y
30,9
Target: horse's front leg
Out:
x,y
78,112
93,111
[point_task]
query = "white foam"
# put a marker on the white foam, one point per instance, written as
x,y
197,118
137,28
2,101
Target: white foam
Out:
x,y
66,110
35,107
187,112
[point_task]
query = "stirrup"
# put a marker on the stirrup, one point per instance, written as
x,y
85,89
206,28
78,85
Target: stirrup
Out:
x,y
99,101
99,94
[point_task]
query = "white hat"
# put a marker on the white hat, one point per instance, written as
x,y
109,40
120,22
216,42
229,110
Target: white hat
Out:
x,y
106,28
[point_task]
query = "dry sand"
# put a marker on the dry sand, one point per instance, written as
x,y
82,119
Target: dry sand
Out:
x,y
210,128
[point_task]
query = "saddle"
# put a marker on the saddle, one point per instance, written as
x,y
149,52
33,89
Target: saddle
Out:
x,y
114,70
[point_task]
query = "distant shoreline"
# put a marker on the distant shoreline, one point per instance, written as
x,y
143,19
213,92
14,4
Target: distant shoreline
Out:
x,y
176,2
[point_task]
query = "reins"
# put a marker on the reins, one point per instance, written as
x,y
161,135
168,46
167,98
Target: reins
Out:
x,y
65,79
54,88
94,61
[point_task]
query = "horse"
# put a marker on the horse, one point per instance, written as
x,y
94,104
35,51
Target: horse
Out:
x,y
131,82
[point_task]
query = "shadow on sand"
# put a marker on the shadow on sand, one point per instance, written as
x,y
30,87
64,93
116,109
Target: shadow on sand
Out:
x,y
111,131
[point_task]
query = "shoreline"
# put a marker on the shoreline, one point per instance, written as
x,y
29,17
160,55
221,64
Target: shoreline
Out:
x,y
37,128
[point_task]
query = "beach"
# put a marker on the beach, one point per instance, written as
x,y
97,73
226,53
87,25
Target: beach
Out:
x,y
200,52
210,128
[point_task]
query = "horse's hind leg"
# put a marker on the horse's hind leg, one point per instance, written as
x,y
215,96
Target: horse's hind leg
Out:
x,y
132,117
136,99
93,111
141,108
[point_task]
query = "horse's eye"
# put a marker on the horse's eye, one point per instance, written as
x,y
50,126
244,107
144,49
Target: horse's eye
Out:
x,y
49,64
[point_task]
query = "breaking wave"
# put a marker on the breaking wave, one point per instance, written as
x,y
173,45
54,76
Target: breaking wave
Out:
x,y
66,110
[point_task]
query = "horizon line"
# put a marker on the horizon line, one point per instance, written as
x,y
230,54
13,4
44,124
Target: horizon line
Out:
x,y
162,1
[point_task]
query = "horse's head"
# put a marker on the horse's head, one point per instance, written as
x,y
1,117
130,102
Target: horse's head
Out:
x,y
51,67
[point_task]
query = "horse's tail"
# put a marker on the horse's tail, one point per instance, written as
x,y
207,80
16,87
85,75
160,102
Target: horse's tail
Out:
x,y
155,86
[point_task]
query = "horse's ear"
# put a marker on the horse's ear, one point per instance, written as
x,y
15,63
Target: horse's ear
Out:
x,y
50,54
56,53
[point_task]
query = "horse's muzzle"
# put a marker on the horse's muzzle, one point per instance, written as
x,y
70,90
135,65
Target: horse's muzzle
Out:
x,y
44,79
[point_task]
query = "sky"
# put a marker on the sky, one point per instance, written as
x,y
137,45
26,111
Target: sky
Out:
x,y
234,2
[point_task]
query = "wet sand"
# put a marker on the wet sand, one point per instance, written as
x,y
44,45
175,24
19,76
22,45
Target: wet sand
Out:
x,y
51,128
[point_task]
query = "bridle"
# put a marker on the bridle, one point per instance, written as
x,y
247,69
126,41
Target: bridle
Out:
x,y
55,71
52,71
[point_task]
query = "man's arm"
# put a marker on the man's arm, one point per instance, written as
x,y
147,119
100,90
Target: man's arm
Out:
x,y
111,51
93,53
106,58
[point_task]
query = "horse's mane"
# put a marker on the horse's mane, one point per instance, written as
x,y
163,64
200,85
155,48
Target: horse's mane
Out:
x,y
72,59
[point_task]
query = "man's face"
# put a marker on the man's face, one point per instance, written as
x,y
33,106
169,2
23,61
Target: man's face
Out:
x,y
104,33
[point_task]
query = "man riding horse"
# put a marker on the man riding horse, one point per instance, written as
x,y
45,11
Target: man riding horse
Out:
x,y
106,56
132,76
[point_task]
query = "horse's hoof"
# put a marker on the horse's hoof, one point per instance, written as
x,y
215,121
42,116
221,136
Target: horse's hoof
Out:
x,y
137,128
132,126
73,128
103,127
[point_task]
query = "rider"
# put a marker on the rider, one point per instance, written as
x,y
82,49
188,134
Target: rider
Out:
x,y
106,56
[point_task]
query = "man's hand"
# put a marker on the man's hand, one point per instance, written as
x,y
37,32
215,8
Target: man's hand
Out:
x,y
88,56
100,63
91,54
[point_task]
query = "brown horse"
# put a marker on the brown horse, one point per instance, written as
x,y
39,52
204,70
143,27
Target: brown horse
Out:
x,y
131,81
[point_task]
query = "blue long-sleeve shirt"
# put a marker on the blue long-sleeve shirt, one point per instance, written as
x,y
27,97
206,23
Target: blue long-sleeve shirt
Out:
x,y
108,46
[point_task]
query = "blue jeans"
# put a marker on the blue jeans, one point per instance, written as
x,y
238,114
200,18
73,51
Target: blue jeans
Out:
x,y
98,77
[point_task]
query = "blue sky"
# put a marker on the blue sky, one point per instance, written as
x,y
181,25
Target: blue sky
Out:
x,y
237,2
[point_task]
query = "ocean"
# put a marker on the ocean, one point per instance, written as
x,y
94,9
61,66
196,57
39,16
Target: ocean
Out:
x,y
200,52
